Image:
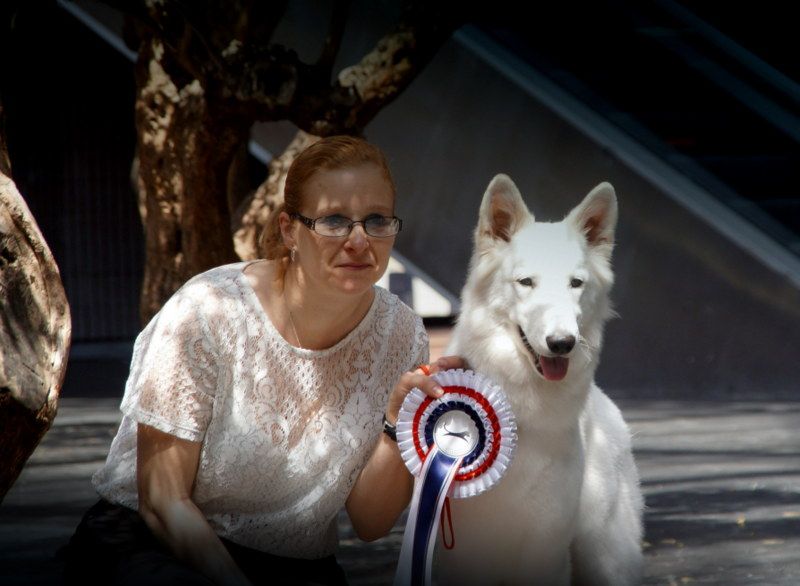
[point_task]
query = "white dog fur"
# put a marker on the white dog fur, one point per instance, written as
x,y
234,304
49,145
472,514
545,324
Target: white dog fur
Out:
x,y
569,510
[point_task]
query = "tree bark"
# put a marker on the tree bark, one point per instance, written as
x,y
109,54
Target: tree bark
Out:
x,y
185,150
35,331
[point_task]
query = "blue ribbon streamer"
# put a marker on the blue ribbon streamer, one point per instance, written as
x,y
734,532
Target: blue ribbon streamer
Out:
x,y
419,540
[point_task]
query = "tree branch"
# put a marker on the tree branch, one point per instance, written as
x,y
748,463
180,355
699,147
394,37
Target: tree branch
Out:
x,y
362,90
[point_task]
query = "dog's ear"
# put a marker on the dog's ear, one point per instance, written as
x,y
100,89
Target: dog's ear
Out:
x,y
502,210
596,215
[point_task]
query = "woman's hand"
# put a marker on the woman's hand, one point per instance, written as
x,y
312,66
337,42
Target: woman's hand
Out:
x,y
383,489
420,378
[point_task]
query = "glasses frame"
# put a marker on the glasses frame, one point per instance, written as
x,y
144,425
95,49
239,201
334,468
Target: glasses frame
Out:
x,y
311,223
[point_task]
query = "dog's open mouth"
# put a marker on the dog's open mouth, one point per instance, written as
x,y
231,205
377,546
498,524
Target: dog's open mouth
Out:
x,y
550,367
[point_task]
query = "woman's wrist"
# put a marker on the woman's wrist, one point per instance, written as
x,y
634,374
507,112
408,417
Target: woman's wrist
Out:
x,y
390,429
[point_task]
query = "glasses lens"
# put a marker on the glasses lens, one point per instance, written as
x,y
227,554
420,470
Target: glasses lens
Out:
x,y
333,226
381,226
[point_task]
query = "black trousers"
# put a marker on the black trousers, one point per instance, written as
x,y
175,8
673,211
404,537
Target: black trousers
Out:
x,y
113,545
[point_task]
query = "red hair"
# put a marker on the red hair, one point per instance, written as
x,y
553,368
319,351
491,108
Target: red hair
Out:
x,y
330,153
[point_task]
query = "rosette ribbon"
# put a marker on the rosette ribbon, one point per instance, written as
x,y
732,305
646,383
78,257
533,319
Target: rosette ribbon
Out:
x,y
458,445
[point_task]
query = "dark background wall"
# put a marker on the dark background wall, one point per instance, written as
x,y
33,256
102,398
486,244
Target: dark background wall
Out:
x,y
69,100
701,314
69,103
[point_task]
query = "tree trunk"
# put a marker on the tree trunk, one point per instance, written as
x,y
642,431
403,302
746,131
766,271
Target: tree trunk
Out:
x,y
35,331
205,73
185,150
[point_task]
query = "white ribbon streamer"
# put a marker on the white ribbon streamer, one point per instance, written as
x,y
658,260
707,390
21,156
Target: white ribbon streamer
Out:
x,y
459,445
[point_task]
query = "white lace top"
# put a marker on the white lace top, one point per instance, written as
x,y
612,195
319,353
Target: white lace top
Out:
x,y
285,431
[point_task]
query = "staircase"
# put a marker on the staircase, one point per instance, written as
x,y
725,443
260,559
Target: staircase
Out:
x,y
714,94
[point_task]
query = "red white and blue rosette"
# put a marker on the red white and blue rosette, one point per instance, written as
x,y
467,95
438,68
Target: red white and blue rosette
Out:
x,y
459,445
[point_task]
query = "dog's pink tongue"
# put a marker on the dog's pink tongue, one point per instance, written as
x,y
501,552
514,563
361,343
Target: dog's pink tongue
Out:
x,y
554,368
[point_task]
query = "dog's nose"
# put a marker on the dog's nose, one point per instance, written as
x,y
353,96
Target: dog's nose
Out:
x,y
560,345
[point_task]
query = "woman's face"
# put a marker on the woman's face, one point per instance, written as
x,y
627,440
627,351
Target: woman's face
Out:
x,y
353,263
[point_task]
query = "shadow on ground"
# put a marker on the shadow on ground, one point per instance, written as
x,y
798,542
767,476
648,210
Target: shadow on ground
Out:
x,y
721,482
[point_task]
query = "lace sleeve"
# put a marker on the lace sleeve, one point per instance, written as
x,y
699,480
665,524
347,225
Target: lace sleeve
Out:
x,y
420,349
173,374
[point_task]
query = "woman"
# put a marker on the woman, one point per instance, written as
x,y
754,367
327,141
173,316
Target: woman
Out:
x,y
254,407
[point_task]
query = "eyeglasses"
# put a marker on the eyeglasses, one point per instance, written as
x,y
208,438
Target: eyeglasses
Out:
x,y
337,226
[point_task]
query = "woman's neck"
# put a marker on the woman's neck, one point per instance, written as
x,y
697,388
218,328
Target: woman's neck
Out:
x,y
319,319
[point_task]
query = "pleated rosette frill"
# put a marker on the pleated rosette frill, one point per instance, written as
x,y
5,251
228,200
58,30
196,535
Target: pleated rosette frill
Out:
x,y
489,412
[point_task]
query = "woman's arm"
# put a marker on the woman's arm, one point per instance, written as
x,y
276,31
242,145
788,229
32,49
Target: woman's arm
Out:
x,y
166,467
384,487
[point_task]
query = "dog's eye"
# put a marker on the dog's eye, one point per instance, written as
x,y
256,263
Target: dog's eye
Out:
x,y
576,283
526,282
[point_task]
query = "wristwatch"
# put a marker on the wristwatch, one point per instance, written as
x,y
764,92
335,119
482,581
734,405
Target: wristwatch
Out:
x,y
389,429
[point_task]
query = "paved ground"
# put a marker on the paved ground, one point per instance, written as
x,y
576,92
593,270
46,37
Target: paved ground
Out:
x,y
722,487
721,482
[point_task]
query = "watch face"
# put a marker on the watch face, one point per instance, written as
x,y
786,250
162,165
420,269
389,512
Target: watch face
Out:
x,y
455,433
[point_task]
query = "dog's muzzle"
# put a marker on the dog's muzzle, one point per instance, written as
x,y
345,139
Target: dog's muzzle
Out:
x,y
552,368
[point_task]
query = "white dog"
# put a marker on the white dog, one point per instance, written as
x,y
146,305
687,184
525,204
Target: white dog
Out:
x,y
569,510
